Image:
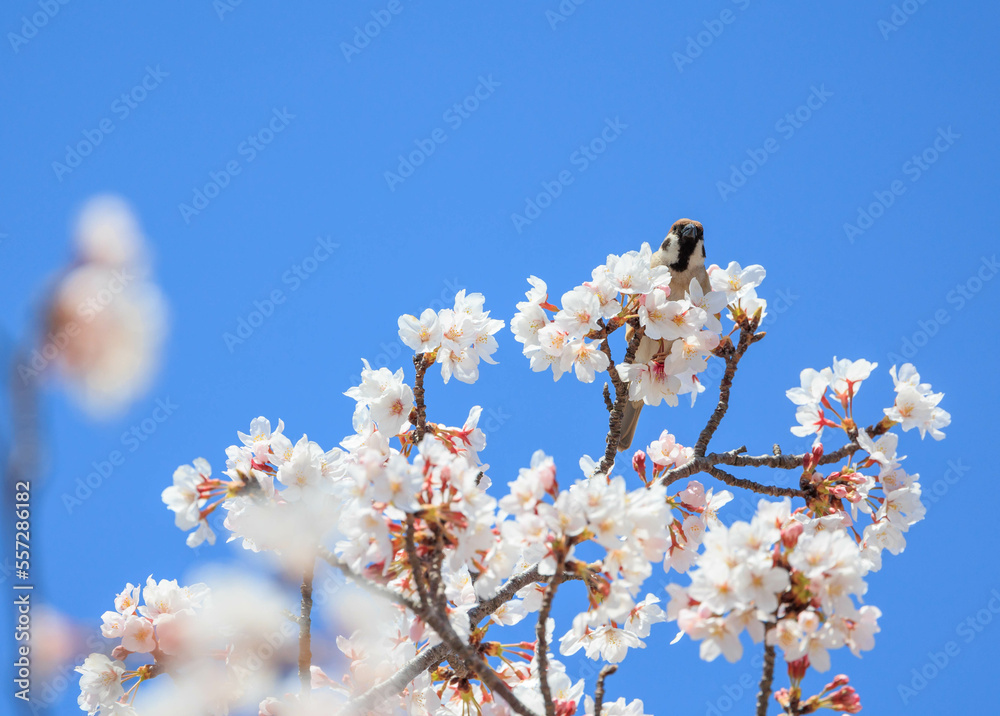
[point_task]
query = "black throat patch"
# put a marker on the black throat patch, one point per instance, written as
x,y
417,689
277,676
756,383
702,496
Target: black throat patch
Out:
x,y
686,247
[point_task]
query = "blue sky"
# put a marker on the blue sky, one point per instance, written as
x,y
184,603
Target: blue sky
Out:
x,y
414,148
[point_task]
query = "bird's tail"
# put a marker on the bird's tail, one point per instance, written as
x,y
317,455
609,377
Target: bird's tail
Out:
x,y
630,418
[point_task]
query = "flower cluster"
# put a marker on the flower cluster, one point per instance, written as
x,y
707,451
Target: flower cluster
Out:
x,y
157,628
456,338
684,330
784,574
916,406
898,507
665,453
292,514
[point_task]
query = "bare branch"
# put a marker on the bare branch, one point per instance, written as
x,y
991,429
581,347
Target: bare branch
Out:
x,y
420,364
767,677
732,357
735,458
607,671
542,642
772,490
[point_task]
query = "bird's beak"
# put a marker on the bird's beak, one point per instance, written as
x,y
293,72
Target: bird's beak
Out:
x,y
690,231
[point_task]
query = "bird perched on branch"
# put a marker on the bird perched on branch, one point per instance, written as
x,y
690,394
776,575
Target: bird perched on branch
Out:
x,y
683,252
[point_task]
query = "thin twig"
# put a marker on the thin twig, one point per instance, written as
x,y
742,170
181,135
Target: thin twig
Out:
x,y
767,677
607,671
305,635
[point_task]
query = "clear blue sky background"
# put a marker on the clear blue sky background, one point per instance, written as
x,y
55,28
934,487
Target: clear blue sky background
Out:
x,y
886,95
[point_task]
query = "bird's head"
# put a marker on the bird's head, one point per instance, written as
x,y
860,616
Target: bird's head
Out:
x,y
684,246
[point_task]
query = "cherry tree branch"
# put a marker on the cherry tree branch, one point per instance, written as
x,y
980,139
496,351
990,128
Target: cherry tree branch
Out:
x,y
736,458
420,364
305,635
732,357
430,657
438,621
381,692
542,642
772,490
766,679
621,396
607,671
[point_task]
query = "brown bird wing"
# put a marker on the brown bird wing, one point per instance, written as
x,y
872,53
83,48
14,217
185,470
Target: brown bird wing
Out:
x,y
630,419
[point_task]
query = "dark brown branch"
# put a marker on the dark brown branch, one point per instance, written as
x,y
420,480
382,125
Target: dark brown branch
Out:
x,y
732,357
607,671
420,364
438,621
772,490
767,677
621,396
430,657
305,635
541,639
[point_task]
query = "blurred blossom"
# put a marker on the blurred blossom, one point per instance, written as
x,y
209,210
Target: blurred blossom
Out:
x,y
55,641
106,319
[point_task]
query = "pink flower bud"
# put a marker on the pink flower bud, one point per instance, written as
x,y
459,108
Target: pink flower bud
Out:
x,y
846,700
639,463
797,669
838,681
790,535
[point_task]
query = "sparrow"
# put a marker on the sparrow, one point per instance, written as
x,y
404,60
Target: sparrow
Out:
x,y
683,252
